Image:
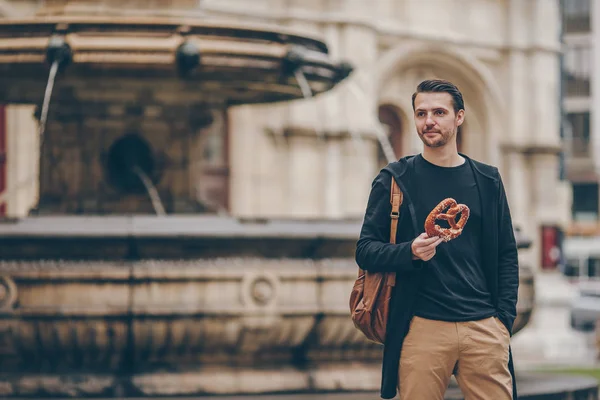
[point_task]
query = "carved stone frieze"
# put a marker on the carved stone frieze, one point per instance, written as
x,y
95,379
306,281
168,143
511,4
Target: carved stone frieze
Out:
x,y
179,327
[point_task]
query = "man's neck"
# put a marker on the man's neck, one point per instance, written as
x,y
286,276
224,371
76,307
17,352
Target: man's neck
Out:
x,y
443,156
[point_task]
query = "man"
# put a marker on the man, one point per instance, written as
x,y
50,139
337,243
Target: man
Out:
x,y
454,302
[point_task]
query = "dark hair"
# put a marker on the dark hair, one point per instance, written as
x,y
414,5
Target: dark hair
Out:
x,y
439,86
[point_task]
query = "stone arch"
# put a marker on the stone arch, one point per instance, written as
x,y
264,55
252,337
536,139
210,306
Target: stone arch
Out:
x,y
6,10
391,118
400,70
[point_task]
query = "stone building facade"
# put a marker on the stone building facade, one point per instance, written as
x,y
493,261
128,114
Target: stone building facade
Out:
x,y
316,158
581,31
582,149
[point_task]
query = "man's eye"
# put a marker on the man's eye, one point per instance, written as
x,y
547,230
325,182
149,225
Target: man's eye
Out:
x,y
439,112
420,114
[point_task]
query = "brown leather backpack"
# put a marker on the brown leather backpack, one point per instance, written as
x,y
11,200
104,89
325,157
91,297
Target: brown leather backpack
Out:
x,y
372,291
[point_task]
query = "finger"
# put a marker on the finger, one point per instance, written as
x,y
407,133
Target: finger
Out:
x,y
430,239
429,253
428,257
433,245
426,242
421,237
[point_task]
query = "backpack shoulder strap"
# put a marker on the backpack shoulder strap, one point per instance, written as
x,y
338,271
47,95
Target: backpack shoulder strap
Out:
x,y
396,198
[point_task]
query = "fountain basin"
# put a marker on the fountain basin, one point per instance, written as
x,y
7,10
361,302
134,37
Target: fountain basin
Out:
x,y
155,89
219,64
184,305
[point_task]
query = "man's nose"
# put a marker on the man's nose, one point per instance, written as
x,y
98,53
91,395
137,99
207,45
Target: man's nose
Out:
x,y
429,121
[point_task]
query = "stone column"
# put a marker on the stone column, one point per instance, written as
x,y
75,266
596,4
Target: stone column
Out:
x,y
333,174
306,178
259,161
359,45
22,160
516,179
595,85
518,74
334,123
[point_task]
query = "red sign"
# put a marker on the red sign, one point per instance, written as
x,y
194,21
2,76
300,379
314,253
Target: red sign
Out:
x,y
551,247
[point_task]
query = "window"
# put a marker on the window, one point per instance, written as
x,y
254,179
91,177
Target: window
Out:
x,y
578,133
572,268
593,267
212,181
585,202
577,67
582,267
576,15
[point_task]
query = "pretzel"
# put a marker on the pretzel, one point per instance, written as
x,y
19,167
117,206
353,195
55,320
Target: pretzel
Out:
x,y
456,227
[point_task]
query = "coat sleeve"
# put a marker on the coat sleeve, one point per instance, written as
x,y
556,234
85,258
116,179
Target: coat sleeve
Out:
x,y
508,263
374,252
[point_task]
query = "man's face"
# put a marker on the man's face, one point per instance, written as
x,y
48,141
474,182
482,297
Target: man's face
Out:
x,y
435,119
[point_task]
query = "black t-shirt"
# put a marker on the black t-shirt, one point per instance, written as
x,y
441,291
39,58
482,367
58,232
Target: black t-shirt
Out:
x,y
457,290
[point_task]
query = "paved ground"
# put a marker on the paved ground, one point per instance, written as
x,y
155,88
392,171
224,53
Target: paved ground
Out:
x,y
532,386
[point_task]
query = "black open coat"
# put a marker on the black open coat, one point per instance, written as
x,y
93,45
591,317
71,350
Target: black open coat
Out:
x,y
375,253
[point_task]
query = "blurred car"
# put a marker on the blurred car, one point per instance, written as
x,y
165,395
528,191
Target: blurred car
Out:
x,y
582,268
585,309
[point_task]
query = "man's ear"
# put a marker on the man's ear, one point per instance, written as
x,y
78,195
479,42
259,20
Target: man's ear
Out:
x,y
460,117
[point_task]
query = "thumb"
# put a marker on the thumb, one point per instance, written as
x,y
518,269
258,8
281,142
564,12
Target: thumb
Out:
x,y
423,235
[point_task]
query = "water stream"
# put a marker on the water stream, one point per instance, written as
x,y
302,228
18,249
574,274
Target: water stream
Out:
x,y
307,93
303,83
46,103
151,190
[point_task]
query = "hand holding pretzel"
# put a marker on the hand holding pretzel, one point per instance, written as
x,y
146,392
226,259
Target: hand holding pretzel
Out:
x,y
423,247
456,227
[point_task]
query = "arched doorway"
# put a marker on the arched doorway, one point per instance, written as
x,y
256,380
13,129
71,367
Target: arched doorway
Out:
x,y
389,117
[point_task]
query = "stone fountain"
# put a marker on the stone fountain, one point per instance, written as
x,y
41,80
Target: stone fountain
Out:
x,y
124,281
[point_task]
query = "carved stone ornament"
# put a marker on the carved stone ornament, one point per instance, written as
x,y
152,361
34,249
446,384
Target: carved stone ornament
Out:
x,y
8,293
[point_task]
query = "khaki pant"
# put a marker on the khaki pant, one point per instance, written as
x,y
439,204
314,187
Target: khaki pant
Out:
x,y
476,352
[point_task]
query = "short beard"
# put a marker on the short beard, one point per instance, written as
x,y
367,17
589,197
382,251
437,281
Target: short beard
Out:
x,y
440,143
435,145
